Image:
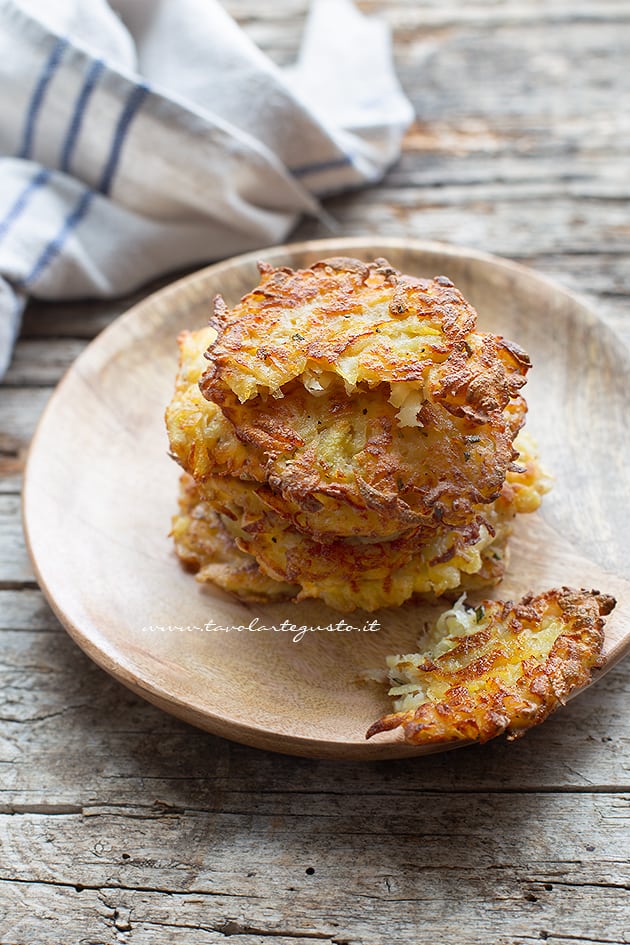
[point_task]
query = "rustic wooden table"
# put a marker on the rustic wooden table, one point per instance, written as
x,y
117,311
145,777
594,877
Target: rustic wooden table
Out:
x,y
119,824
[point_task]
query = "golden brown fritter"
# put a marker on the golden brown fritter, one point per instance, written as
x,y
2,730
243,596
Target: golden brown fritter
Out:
x,y
386,460
345,466
202,440
364,322
205,547
343,575
350,573
503,667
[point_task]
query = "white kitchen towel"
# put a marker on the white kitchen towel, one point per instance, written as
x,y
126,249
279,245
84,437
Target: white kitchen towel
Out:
x,y
141,136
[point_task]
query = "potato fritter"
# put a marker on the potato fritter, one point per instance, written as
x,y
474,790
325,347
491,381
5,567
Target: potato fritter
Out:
x,y
346,466
365,323
350,573
204,546
502,667
368,392
202,440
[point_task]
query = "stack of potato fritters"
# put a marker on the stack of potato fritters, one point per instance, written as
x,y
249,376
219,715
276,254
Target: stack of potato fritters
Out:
x,y
348,434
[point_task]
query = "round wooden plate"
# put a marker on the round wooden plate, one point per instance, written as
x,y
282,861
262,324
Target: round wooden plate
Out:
x,y
100,491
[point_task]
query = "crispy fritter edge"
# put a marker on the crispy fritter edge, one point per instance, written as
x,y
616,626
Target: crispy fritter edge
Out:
x,y
346,276
542,687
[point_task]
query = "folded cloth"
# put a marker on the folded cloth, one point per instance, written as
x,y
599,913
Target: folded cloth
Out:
x,y
141,136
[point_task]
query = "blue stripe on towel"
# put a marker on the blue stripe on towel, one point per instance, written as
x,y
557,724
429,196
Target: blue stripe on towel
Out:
x,y
79,110
306,169
135,99
37,97
21,202
57,243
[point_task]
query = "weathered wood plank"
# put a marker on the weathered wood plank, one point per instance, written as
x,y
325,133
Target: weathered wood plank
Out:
x,y
84,318
42,362
26,609
15,566
248,11
20,409
602,276
11,469
513,865
553,843
72,319
518,224
474,154
189,923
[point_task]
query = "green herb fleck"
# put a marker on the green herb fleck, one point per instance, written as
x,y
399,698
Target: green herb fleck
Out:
x,y
480,613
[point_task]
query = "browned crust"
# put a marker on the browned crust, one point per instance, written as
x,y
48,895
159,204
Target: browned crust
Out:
x,y
541,687
347,573
204,547
396,479
252,337
406,478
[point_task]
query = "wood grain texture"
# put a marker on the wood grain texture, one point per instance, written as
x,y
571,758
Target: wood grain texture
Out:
x,y
415,877
517,101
